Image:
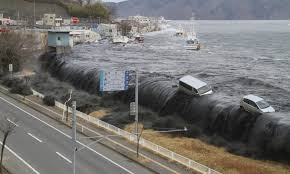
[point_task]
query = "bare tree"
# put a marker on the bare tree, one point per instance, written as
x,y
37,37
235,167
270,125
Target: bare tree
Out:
x,y
89,2
81,2
15,48
7,127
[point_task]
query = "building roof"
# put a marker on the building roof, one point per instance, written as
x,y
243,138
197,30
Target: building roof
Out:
x,y
194,82
58,31
253,98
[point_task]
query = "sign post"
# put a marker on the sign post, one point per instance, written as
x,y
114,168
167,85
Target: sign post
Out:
x,y
10,68
74,132
119,81
136,112
132,108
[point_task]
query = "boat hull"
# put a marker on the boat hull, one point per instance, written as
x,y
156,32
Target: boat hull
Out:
x,y
192,47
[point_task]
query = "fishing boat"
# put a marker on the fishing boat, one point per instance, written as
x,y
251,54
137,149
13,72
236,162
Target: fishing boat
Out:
x,y
192,42
139,38
180,31
119,39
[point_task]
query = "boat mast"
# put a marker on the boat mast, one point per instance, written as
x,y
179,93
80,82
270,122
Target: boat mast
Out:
x,y
193,23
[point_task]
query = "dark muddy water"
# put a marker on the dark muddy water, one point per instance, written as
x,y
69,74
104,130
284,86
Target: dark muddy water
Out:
x,y
237,58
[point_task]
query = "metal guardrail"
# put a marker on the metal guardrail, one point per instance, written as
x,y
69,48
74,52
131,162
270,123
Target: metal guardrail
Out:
x,y
132,137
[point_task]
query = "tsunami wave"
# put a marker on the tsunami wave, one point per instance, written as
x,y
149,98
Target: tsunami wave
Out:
x,y
214,114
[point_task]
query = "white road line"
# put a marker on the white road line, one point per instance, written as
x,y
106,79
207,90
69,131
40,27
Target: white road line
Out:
x,y
22,160
108,159
12,122
115,142
65,158
33,136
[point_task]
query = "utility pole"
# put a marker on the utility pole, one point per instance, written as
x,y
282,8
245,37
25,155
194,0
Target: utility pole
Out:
x,y
74,139
34,14
136,112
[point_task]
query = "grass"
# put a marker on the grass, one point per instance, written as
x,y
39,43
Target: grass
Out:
x,y
214,157
99,114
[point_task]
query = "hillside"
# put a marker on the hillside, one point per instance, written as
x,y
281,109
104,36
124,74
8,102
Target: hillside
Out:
x,y
24,9
206,9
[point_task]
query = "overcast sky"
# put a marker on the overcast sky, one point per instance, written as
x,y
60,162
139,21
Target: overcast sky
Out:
x,y
113,0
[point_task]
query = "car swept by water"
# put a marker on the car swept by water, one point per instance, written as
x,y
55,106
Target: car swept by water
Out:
x,y
255,104
194,86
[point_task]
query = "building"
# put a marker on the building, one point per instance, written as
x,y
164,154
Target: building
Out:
x,y
7,21
84,36
59,41
49,19
58,22
140,19
107,30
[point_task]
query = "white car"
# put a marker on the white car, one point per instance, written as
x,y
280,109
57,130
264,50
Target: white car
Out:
x,y
252,103
194,86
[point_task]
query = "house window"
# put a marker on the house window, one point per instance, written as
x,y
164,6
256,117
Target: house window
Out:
x,y
58,38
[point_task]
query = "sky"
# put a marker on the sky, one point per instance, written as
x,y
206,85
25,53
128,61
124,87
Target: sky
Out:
x,y
113,0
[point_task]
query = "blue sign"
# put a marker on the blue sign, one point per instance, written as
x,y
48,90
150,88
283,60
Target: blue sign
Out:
x,y
114,80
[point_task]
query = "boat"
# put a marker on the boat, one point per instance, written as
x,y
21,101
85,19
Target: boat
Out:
x,y
139,38
192,42
119,39
180,31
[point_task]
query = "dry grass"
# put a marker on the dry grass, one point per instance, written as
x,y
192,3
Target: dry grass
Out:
x,y
99,114
214,157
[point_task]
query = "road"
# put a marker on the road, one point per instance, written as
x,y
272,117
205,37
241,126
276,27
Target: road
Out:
x,y
46,146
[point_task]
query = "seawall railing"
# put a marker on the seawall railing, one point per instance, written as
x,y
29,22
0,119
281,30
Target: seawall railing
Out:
x,y
132,137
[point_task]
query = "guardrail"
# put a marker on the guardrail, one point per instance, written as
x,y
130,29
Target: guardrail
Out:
x,y
132,137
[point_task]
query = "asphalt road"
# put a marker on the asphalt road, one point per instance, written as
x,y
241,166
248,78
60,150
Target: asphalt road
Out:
x,y
46,145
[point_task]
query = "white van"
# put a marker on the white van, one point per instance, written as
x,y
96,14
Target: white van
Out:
x,y
252,103
194,86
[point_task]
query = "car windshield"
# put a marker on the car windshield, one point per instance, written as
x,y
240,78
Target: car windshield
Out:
x,y
204,89
263,104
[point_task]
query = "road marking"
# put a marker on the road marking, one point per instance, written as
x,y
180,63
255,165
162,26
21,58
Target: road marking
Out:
x,y
12,122
22,160
65,158
106,158
115,142
125,147
34,137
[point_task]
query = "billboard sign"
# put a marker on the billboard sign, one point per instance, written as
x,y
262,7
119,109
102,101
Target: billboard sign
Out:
x,y
114,80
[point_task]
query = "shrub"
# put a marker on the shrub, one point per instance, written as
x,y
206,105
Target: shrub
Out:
x,y
87,11
21,89
49,100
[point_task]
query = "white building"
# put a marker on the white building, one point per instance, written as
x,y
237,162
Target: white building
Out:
x,y
58,22
107,30
140,19
7,21
49,19
84,36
